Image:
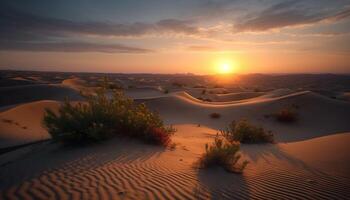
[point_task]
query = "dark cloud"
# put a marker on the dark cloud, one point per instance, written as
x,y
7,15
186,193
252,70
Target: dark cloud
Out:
x,y
177,26
18,22
25,31
69,47
288,13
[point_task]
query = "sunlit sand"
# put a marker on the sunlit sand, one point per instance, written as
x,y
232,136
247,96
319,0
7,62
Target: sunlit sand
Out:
x,y
308,155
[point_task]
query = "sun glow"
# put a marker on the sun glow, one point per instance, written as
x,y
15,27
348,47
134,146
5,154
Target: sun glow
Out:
x,y
226,67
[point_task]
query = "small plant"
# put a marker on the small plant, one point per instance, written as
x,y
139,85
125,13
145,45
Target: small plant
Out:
x,y
166,91
287,115
102,117
204,91
222,153
215,115
245,132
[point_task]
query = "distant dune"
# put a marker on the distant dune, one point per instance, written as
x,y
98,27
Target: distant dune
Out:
x,y
318,115
29,93
144,92
178,108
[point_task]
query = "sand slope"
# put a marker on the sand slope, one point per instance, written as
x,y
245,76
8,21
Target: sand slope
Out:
x,y
144,93
23,124
236,96
123,169
318,115
29,93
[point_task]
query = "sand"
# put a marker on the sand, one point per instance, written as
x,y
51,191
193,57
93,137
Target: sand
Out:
x,y
144,92
309,160
23,124
30,93
317,115
124,169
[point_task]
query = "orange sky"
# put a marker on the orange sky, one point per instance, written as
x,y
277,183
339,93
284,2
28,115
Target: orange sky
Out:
x,y
191,36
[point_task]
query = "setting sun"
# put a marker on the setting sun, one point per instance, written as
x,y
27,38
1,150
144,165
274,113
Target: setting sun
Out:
x,y
225,68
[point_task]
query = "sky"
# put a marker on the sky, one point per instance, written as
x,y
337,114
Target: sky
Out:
x,y
182,36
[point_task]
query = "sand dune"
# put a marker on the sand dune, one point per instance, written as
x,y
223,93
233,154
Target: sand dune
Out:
x,y
6,82
178,108
236,96
30,93
318,115
123,169
75,83
23,124
144,92
314,164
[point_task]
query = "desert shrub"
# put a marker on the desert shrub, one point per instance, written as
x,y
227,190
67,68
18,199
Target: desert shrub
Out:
x,y
286,115
245,132
204,91
215,115
222,153
102,117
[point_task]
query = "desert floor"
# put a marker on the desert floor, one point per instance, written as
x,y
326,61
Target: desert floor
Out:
x,y
309,160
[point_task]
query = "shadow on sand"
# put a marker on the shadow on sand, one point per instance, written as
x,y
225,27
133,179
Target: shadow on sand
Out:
x,y
216,183
69,172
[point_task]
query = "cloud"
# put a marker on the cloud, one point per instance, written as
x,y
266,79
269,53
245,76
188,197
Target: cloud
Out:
x,y
201,48
176,26
285,14
25,31
69,47
18,22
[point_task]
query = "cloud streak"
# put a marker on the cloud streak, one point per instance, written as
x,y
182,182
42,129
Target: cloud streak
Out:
x,y
22,22
286,14
25,31
70,47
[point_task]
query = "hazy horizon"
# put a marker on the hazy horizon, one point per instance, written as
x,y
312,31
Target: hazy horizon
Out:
x,y
168,37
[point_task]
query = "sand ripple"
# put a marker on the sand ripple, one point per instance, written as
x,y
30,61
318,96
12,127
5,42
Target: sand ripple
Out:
x,y
128,170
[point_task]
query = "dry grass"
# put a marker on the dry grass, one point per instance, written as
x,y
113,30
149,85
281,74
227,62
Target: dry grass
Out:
x,y
222,153
103,117
243,131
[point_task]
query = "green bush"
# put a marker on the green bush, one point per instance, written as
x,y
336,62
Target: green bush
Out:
x,y
224,154
245,132
102,117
